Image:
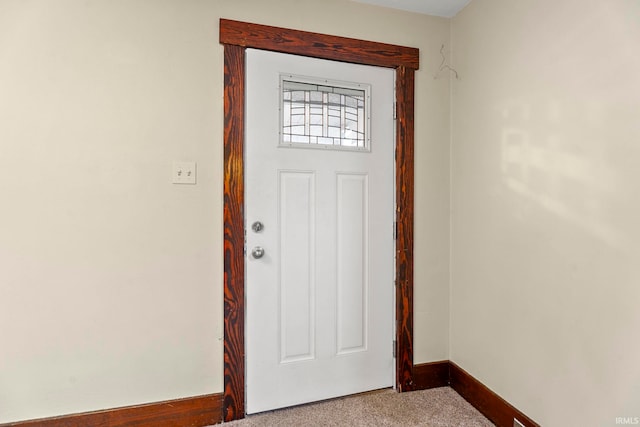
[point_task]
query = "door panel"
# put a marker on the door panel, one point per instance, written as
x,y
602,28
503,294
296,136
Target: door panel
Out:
x,y
352,262
320,300
297,255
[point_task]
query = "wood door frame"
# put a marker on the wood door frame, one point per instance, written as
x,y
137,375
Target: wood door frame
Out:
x,y
236,37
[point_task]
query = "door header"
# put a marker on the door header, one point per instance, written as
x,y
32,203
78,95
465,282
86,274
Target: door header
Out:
x,y
316,45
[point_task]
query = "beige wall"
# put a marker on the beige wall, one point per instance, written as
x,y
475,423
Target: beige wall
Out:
x,y
545,292
110,276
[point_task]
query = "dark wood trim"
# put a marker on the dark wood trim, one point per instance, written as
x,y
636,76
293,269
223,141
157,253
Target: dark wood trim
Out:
x,y
236,37
207,410
234,368
498,410
192,411
404,218
431,375
317,45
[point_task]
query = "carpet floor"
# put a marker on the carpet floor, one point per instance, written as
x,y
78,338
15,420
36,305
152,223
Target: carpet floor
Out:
x,y
438,407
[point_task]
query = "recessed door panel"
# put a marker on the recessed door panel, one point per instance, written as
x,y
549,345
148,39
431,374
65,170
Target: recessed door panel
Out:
x,y
297,258
352,259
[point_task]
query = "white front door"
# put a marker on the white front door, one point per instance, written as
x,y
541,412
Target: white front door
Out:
x,y
320,181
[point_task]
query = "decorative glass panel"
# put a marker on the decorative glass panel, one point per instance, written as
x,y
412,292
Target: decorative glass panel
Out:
x,y
324,114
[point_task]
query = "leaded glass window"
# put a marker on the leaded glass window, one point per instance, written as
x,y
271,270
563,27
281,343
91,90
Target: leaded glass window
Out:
x,y
324,114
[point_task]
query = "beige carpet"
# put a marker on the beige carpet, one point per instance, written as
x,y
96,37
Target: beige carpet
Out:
x,y
439,407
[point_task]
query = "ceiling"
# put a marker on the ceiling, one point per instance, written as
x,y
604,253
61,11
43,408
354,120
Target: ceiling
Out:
x,y
446,8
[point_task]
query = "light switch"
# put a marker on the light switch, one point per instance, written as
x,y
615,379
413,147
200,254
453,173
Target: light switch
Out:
x,y
184,172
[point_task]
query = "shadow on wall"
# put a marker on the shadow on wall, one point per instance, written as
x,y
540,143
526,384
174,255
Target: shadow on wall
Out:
x,y
582,176
567,177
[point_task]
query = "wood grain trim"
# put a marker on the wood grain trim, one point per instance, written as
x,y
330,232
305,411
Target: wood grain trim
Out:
x,y
317,45
234,365
498,410
431,375
192,411
236,36
405,78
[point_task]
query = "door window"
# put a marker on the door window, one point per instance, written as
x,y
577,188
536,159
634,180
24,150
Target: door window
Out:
x,y
324,114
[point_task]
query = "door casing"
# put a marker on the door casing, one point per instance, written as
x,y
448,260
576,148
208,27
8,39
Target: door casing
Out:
x,y
236,37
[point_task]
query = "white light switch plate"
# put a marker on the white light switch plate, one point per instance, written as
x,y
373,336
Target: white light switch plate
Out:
x,y
184,172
